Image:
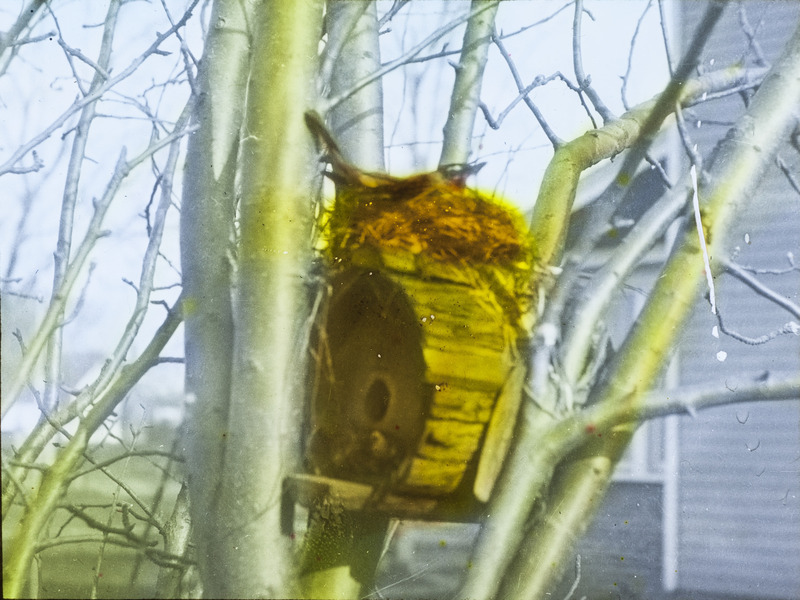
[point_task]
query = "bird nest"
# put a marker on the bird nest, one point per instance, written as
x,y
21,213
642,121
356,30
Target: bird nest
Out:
x,y
427,214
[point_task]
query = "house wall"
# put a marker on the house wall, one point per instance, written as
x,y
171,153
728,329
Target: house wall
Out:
x,y
620,554
735,519
739,521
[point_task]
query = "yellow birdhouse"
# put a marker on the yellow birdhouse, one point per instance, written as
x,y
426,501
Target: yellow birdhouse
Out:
x,y
416,347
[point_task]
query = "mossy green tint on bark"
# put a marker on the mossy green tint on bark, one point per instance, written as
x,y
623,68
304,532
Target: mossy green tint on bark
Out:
x,y
277,168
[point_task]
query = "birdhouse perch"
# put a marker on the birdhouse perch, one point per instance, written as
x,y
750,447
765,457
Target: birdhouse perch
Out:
x,y
415,347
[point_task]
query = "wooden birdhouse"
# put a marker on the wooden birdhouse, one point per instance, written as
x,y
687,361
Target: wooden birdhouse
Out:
x,y
417,377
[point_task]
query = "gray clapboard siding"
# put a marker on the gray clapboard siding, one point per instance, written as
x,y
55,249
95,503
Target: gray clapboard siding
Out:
x,y
738,521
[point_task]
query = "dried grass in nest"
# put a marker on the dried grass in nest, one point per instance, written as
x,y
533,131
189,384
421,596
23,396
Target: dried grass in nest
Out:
x,y
427,214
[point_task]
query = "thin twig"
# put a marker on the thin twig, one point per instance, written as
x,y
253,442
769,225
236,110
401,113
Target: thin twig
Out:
x,y
787,328
38,299
78,105
36,166
762,271
538,81
10,38
503,36
665,36
542,21
190,62
554,139
577,578
396,7
106,528
659,168
701,238
759,287
695,158
753,43
129,453
21,490
584,81
94,233
626,77
790,177
160,557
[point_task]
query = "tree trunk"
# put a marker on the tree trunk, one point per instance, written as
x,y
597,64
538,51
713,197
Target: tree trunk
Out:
x,y
277,177
207,245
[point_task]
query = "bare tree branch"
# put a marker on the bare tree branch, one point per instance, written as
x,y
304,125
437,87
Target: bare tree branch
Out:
x,y
67,217
790,177
554,139
663,107
466,92
503,36
518,489
593,302
538,81
582,338
758,287
36,166
358,122
741,159
396,7
584,81
665,36
605,284
107,529
329,103
55,481
54,422
127,454
626,77
87,245
159,557
27,209
788,328
10,38
750,33
78,105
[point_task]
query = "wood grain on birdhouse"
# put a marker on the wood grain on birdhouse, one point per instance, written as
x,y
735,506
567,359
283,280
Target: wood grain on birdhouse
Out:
x,y
419,333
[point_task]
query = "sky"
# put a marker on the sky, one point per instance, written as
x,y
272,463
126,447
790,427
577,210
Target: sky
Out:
x,y
517,154
41,83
